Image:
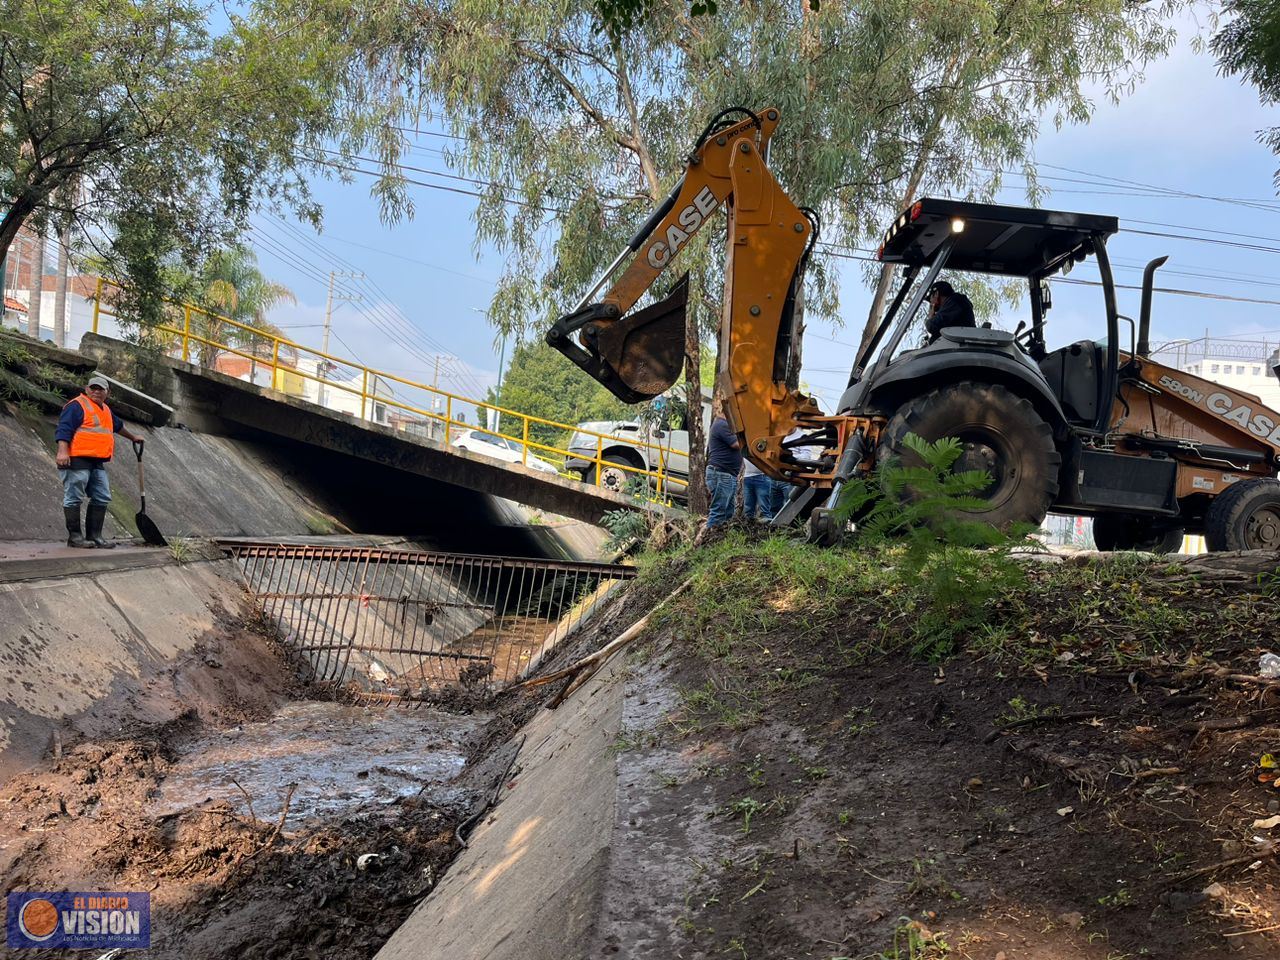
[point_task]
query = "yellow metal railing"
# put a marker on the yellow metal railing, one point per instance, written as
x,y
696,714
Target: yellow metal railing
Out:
x,y
288,377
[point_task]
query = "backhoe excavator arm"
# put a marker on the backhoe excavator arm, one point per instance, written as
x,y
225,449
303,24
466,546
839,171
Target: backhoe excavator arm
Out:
x,y
640,355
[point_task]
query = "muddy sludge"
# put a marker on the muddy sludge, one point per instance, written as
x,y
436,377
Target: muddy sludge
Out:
x,y
312,832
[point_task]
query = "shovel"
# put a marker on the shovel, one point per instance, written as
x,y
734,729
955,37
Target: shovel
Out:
x,y
146,526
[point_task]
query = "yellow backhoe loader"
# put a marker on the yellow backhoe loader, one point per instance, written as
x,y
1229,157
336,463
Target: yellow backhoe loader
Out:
x,y
1147,450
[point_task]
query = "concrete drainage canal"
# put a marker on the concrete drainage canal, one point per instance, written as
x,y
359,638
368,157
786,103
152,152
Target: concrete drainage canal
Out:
x,y
282,770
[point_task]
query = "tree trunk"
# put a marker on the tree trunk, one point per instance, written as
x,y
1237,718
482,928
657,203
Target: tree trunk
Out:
x,y
60,291
795,358
15,216
876,314
697,491
37,286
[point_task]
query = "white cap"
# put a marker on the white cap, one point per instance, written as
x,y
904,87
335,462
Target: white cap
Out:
x,y
98,380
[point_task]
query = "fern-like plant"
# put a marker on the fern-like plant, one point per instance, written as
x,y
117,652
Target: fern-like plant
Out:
x,y
955,566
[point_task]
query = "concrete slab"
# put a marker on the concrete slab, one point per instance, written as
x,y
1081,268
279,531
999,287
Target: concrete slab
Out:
x,y
529,885
42,559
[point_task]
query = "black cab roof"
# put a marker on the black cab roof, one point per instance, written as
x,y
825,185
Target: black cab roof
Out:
x,y
990,238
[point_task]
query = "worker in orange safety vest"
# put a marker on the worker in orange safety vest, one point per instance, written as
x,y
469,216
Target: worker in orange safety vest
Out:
x,y
86,440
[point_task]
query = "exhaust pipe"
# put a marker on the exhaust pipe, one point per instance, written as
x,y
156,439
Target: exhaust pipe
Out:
x,y
1144,316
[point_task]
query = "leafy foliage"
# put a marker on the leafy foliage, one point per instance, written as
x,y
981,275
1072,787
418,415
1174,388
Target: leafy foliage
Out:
x,y
26,381
540,382
230,284
1249,44
625,527
154,136
926,502
581,132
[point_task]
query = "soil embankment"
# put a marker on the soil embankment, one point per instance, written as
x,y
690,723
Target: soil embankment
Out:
x,y
827,755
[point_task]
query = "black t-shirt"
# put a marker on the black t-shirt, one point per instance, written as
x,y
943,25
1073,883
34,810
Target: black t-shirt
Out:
x,y
956,311
720,452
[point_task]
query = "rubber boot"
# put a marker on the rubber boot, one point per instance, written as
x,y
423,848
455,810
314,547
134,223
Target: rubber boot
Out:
x,y
73,528
94,517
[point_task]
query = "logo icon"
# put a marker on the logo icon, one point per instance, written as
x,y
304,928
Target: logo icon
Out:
x,y
38,919
90,919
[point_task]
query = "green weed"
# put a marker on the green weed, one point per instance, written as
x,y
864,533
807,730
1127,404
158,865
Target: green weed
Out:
x,y
912,941
1021,709
1117,899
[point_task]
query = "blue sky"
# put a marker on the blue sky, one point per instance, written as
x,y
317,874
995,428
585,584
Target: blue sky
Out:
x,y
1185,128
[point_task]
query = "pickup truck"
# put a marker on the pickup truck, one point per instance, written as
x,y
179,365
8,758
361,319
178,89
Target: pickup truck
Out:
x,y
629,443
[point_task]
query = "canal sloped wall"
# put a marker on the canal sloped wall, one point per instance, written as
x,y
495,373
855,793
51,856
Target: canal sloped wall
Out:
x,y
97,652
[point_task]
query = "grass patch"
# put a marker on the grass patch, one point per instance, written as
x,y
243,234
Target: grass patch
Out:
x,y
318,524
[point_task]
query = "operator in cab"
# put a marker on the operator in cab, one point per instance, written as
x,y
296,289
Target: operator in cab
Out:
x,y
947,309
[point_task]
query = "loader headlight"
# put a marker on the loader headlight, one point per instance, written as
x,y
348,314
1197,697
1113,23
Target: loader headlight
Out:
x,y
957,225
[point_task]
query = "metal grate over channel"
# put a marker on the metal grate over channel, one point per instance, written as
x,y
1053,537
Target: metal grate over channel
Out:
x,y
402,624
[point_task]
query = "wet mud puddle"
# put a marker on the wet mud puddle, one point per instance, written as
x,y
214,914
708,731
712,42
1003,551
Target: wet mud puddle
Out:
x,y
340,757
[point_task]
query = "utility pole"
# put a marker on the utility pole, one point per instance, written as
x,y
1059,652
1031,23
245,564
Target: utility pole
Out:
x,y
37,286
497,391
61,235
343,297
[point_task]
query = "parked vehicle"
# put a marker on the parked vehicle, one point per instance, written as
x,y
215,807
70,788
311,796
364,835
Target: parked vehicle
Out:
x,y
630,443
501,448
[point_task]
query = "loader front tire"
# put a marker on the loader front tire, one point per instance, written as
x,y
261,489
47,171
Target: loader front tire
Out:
x,y
1246,516
1001,433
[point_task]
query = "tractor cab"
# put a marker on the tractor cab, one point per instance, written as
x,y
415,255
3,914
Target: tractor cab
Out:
x,y
1072,386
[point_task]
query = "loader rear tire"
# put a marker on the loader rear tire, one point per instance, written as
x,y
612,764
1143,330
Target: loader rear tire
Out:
x,y
1245,517
1001,432
1117,532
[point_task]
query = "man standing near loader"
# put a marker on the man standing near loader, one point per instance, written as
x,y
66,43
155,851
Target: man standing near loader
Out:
x,y
86,440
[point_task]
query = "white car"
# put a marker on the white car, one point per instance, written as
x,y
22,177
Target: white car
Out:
x,y
500,448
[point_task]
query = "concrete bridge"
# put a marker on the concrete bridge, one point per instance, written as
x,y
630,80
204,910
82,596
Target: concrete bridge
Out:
x,y
399,480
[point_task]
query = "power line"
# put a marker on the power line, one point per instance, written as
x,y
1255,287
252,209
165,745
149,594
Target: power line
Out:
x,y
377,313
435,186
395,316
426,133
405,166
1201,294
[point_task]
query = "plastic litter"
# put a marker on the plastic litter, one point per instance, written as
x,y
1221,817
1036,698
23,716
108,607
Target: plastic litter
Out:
x,y
1269,666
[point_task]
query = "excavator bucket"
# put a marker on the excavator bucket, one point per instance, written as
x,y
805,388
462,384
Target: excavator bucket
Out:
x,y
636,357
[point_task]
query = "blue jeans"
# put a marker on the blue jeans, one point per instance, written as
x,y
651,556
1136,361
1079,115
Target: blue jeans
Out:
x,y
757,497
75,483
722,488
779,493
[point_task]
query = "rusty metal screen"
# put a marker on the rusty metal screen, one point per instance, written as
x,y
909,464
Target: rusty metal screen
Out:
x,y
402,624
